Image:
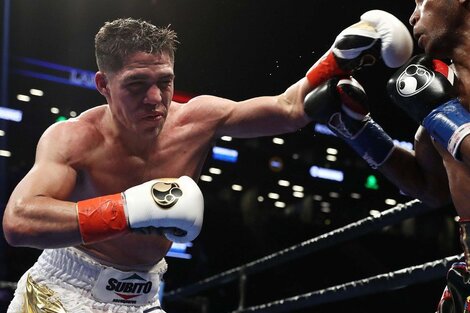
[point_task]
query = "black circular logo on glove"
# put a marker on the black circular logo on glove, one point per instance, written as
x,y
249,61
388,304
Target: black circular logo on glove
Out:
x,y
166,194
413,80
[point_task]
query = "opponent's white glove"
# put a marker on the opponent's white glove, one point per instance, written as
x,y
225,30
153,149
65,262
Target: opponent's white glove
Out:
x,y
176,206
379,34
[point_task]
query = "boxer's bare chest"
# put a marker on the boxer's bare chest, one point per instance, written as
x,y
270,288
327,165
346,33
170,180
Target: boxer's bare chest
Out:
x,y
111,168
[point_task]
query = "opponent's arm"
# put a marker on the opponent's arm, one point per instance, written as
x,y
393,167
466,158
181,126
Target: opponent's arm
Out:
x,y
342,105
419,173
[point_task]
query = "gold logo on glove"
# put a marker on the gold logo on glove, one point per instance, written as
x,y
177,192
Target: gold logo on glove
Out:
x,y
166,194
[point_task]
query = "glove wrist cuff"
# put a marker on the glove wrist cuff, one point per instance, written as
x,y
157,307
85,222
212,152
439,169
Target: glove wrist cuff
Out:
x,y
449,124
101,218
371,142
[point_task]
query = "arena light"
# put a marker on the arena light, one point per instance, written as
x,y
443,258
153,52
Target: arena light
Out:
x,y
23,98
331,158
390,201
332,151
2,133
333,194
326,173
11,114
325,208
179,250
36,92
404,144
355,195
68,75
224,154
317,197
206,178
273,195
371,182
215,171
323,129
276,164
5,153
236,187
57,73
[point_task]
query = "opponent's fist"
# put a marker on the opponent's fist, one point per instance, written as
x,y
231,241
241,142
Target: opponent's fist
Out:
x,y
342,105
421,85
378,35
176,206
336,96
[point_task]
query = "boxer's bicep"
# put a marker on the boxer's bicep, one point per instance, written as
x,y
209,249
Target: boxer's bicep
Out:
x,y
36,213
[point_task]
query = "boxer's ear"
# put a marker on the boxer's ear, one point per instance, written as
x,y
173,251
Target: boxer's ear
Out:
x,y
101,82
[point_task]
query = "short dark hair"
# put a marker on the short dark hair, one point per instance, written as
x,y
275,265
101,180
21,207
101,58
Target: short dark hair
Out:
x,y
118,39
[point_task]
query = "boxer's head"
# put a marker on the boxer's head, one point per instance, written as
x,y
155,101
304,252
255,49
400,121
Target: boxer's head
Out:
x,y
118,39
439,26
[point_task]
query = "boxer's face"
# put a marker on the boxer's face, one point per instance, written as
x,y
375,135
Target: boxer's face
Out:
x,y
140,94
434,23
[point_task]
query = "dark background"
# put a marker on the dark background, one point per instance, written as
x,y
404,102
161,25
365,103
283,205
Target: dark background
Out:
x,y
241,49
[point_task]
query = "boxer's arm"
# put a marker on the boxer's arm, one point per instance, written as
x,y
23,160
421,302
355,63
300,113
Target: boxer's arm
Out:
x,y
255,117
35,214
419,173
465,150
352,49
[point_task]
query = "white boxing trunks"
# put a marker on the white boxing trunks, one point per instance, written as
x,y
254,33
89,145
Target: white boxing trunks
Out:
x,y
68,281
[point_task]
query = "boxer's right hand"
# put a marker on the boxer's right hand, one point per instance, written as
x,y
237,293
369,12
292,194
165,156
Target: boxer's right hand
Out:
x,y
175,206
378,35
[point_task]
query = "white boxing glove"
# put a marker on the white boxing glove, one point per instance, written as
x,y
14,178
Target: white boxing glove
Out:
x,y
397,44
176,206
379,34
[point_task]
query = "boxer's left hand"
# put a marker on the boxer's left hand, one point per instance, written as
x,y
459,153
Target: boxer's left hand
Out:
x,y
378,35
424,89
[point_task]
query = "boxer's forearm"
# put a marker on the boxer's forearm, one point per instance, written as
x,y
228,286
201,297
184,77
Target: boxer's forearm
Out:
x,y
41,222
404,171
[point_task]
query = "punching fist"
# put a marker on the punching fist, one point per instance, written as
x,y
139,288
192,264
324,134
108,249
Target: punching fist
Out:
x,y
342,105
424,89
175,206
378,35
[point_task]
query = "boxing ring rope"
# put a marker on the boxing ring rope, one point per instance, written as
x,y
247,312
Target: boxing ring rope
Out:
x,y
367,286
351,231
